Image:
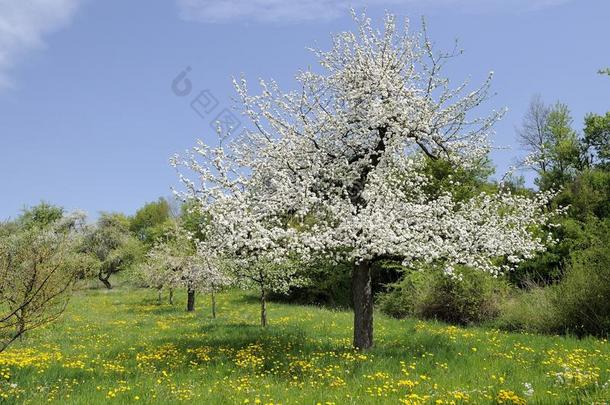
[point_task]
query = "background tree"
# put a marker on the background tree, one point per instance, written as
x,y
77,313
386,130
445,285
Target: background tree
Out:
x,y
577,166
177,261
597,139
193,220
534,136
555,151
110,242
151,221
338,169
565,150
41,215
38,267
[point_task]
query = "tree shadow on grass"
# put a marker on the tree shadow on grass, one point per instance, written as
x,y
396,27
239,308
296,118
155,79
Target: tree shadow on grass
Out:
x,y
231,343
238,334
152,306
236,348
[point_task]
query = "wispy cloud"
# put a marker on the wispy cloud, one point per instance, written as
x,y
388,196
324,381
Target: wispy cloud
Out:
x,y
309,10
267,10
23,25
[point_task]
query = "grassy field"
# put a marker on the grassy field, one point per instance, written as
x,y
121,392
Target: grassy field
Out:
x,y
122,346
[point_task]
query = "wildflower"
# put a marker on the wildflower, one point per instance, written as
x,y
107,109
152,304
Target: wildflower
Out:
x,y
529,390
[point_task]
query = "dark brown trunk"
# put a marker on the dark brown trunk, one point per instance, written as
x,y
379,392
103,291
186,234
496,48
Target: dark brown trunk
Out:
x,y
213,305
362,296
171,296
104,280
190,300
263,309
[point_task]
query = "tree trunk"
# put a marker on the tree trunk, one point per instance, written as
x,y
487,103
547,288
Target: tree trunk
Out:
x,y
213,305
159,295
263,309
362,296
190,300
104,280
21,317
171,296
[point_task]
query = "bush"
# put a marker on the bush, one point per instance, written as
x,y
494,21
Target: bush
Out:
x,y
580,303
587,198
528,310
430,294
582,299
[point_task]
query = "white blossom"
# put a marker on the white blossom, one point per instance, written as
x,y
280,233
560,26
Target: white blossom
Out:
x,y
335,168
179,261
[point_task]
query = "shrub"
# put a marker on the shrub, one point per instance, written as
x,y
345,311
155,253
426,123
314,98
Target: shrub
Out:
x,y
582,299
528,310
473,297
580,303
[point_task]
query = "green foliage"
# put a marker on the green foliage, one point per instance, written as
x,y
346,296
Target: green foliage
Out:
x,y
528,310
192,220
547,267
463,183
587,197
149,222
597,138
567,288
112,246
41,215
563,149
327,284
580,302
472,297
582,299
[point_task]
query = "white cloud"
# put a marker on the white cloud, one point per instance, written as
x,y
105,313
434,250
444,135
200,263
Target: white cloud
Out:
x,y
310,10
23,24
269,10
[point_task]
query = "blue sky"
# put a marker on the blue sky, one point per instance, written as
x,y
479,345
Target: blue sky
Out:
x,y
88,118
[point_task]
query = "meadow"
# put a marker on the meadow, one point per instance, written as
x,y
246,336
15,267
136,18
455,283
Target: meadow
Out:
x,y
122,346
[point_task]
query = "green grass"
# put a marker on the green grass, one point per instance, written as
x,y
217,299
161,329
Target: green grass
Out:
x,y
121,346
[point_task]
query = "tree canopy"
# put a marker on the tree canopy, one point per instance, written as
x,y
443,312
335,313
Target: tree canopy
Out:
x,y
338,168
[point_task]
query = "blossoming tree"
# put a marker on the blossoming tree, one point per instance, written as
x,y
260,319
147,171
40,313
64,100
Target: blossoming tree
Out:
x,y
335,168
182,262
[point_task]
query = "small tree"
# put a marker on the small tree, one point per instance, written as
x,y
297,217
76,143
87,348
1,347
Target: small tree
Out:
x,y
337,169
110,242
38,267
178,262
266,277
